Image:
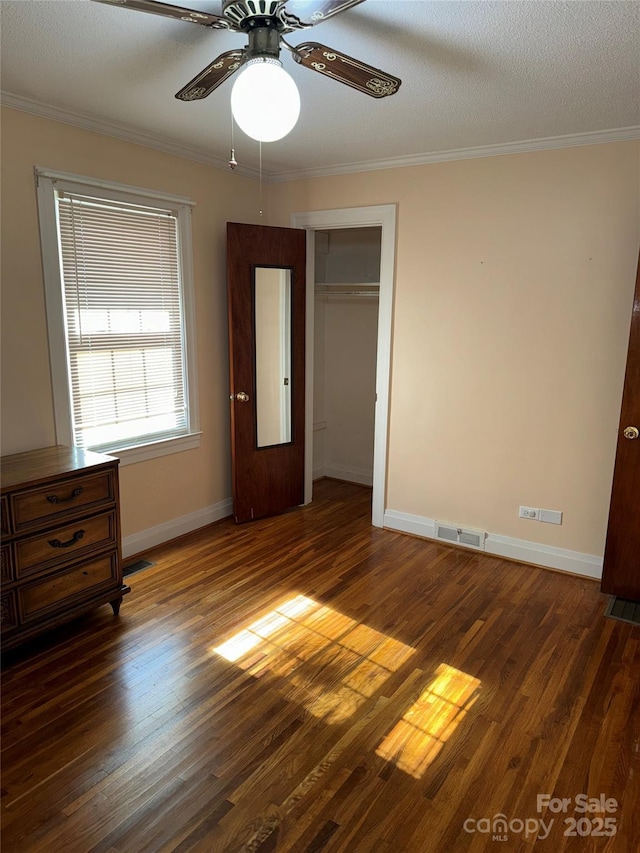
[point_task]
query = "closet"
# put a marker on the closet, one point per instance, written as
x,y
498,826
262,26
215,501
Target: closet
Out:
x,y
347,282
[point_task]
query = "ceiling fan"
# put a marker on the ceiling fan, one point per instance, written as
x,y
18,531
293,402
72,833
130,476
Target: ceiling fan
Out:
x,y
266,22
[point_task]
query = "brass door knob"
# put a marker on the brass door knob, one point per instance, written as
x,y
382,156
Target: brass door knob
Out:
x,y
631,432
242,397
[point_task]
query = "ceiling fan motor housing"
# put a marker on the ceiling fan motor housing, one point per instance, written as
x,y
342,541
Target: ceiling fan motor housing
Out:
x,y
248,14
263,42
257,18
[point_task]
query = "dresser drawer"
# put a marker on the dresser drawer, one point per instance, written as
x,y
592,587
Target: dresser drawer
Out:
x,y
6,563
4,515
59,544
63,588
81,494
8,613
61,538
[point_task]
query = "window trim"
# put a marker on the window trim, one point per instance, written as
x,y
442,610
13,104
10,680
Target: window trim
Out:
x,y
47,181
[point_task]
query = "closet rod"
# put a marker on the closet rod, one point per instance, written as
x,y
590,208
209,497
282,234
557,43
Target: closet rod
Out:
x,y
348,293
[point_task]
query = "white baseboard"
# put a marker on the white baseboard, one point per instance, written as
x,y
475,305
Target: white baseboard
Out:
x,y
139,542
505,546
407,523
522,550
353,475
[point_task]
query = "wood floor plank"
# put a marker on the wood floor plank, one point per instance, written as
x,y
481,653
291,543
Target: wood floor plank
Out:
x,y
310,683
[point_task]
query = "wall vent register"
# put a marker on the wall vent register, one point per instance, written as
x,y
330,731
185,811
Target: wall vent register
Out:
x,y
460,536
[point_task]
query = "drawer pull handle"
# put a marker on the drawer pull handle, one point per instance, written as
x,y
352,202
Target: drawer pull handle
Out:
x,y
54,499
77,536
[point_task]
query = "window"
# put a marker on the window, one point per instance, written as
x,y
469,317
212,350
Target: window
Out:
x,y
119,308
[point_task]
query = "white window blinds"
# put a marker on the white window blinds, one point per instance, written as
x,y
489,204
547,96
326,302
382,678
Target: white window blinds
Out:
x,y
124,321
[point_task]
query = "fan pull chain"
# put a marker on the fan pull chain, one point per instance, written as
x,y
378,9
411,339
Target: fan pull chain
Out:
x,y
260,147
232,160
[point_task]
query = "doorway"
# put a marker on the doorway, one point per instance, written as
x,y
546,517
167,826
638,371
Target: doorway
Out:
x,y
384,218
347,281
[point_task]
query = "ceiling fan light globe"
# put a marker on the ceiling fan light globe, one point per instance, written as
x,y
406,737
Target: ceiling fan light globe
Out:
x,y
265,101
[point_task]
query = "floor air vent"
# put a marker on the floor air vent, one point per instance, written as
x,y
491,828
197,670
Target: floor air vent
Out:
x,y
132,568
460,535
624,610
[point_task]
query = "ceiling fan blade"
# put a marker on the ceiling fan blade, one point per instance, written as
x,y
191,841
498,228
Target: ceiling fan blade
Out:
x,y
211,76
308,13
346,69
178,12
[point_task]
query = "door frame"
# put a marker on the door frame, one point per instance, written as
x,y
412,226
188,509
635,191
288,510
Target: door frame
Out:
x,y
383,216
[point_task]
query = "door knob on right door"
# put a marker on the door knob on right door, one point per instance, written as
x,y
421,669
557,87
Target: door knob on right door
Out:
x,y
631,432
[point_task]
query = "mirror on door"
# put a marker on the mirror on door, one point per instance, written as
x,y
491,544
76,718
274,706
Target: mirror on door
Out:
x,y
272,329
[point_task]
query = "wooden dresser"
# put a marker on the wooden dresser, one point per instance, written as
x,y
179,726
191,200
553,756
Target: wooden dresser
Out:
x,y
60,547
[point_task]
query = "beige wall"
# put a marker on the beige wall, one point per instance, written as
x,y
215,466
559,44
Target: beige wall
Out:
x,y
157,490
514,283
513,299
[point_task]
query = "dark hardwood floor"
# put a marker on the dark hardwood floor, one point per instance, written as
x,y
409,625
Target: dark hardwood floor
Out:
x,y
309,683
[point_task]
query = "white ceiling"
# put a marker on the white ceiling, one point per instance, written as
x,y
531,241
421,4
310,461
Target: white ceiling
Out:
x,y
473,74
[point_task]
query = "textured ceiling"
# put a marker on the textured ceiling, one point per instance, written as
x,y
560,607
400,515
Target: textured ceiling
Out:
x,y
474,74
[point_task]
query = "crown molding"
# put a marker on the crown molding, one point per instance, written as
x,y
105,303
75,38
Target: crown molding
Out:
x,y
119,131
130,134
621,134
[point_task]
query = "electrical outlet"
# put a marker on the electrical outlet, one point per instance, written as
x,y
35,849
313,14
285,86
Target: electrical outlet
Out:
x,y
529,512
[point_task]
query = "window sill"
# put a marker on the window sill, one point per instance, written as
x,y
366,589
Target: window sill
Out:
x,y
131,455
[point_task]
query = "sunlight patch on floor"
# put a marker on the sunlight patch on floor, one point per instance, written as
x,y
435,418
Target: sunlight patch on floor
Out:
x,y
419,736
332,663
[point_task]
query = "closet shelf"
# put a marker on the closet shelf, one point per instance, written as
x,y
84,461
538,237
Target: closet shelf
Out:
x,y
333,289
352,285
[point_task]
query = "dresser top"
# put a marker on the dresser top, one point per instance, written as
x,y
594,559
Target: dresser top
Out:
x,y
35,466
